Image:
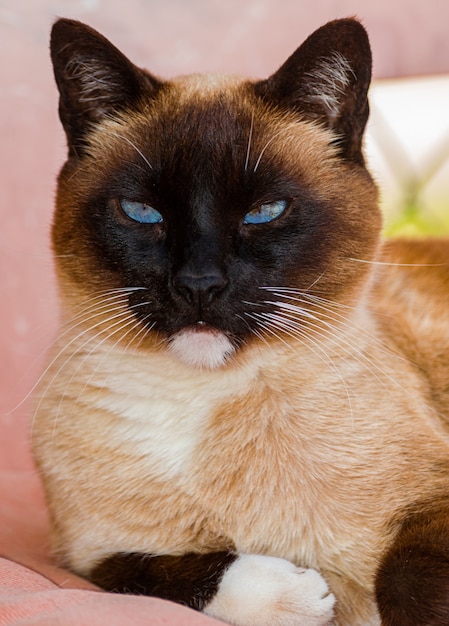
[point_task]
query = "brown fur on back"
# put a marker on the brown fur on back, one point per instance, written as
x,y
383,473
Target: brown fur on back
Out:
x,y
414,297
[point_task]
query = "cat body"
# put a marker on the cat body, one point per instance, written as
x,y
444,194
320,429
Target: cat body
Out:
x,y
245,409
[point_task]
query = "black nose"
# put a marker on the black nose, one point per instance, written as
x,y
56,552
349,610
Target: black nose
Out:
x,y
198,288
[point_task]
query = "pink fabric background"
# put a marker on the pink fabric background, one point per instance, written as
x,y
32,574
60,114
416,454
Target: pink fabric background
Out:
x,y
169,37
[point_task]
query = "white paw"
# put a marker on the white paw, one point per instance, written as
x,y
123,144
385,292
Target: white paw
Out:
x,y
266,591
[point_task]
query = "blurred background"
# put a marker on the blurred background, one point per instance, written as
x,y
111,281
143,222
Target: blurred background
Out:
x,y
407,144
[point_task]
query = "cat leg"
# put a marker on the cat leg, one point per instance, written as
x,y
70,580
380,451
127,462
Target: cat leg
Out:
x,y
244,590
190,579
412,583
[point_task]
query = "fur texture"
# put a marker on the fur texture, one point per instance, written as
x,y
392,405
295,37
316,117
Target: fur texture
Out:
x,y
252,397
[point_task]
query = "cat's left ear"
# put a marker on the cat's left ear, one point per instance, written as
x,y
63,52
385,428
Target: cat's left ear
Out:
x,y
327,80
94,78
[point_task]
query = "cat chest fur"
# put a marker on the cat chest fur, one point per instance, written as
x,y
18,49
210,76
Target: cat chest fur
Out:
x,y
181,461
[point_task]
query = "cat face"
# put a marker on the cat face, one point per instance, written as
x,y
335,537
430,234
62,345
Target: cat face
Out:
x,y
211,204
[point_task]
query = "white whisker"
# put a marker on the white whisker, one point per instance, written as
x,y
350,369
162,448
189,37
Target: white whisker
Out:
x,y
123,312
298,334
346,341
262,152
253,330
265,324
133,145
119,326
397,264
129,319
342,321
330,334
316,281
113,296
143,332
250,138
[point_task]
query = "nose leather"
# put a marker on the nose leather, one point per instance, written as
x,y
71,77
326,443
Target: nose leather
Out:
x,y
199,288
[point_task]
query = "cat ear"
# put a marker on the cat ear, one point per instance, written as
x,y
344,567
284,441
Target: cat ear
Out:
x,y
327,79
94,79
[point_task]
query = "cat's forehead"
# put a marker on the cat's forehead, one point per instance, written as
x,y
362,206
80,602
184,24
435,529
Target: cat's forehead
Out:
x,y
192,102
208,99
198,126
204,86
216,116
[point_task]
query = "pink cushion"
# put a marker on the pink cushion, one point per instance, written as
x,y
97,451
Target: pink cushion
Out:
x,y
29,598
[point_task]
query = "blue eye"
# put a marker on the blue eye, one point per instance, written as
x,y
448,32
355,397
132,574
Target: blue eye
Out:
x,y
265,212
141,212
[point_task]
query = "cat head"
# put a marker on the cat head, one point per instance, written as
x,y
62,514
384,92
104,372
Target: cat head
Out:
x,y
207,213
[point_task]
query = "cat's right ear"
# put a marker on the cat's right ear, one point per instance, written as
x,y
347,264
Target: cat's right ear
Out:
x,y
327,80
95,80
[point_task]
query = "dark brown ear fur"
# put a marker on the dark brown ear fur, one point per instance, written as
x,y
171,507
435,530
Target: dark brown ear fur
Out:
x,y
94,79
327,79
412,583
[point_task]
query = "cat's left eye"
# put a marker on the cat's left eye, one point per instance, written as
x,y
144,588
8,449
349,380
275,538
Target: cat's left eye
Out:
x,y
266,212
141,212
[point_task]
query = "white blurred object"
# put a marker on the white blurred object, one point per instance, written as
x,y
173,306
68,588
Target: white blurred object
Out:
x,y
407,148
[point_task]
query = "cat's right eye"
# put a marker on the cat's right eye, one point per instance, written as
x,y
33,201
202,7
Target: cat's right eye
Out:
x,y
266,212
141,212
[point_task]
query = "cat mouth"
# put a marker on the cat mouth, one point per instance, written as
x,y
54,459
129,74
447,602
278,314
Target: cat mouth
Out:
x,y
201,346
202,326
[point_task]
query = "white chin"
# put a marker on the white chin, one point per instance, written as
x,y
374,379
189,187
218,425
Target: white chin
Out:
x,y
204,349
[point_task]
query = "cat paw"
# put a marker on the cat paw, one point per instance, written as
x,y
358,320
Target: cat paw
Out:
x,y
267,591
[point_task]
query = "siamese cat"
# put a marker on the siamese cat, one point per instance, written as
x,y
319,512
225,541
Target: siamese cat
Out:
x,y
246,407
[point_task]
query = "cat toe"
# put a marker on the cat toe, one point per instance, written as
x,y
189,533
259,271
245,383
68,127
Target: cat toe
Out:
x,y
267,591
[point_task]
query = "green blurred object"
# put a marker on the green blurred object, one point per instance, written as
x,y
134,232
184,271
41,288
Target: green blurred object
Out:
x,y
415,219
